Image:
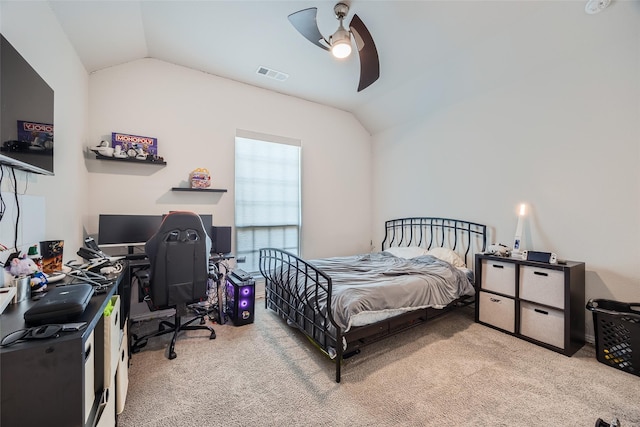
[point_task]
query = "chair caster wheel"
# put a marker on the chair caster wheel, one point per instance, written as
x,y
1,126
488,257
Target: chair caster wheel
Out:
x,y
160,328
172,355
213,335
202,321
135,347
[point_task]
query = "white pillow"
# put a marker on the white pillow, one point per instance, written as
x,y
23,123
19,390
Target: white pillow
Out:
x,y
407,251
446,254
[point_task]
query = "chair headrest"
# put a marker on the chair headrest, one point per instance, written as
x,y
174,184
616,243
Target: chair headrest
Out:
x,y
181,220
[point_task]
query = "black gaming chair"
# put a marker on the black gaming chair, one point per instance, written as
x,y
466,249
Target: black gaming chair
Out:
x,y
179,258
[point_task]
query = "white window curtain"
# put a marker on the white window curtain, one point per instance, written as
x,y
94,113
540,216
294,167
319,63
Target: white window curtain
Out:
x,y
267,197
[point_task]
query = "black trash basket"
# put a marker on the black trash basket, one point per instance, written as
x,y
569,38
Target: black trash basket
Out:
x,y
617,329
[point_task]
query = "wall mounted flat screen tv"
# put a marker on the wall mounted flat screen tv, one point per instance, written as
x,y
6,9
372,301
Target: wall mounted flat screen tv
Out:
x,y
26,115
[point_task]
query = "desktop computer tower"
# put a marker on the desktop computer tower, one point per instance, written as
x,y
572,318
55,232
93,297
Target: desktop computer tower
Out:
x,y
241,298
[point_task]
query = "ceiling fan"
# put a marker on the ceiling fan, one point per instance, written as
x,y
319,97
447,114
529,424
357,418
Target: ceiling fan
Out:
x,y
339,43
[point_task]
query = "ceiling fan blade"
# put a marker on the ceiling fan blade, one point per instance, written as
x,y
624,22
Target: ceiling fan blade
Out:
x,y
305,22
369,63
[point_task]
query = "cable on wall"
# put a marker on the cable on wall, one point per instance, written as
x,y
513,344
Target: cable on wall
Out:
x,y
3,205
15,194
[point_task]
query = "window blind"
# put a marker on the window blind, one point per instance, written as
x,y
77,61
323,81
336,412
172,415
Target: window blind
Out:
x,y
267,198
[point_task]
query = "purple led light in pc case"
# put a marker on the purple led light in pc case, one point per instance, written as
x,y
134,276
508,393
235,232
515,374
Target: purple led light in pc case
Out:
x,y
241,297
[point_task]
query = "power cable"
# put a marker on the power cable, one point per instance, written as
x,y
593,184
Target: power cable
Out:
x,y
15,194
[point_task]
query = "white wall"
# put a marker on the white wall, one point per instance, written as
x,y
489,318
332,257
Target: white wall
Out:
x,y
195,117
34,31
560,135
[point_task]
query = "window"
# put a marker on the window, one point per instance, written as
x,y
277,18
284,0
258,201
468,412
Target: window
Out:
x,y
267,196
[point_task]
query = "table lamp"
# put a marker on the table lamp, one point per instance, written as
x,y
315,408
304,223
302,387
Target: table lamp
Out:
x,y
517,241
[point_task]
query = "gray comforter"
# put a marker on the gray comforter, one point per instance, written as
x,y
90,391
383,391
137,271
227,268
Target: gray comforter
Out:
x,y
370,287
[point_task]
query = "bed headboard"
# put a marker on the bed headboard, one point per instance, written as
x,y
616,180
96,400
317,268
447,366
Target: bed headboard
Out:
x,y
464,237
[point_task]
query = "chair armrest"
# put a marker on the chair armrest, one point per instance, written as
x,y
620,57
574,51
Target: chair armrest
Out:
x,y
144,283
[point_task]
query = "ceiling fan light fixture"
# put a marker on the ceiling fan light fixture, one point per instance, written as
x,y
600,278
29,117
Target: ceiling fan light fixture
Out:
x,y
341,49
341,43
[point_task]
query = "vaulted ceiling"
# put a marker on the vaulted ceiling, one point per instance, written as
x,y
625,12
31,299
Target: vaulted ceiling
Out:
x,y
432,53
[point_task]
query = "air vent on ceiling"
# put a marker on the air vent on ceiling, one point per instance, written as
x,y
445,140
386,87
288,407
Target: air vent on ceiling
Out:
x,y
273,74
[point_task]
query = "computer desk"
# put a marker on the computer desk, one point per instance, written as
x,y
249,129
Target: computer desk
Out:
x,y
59,381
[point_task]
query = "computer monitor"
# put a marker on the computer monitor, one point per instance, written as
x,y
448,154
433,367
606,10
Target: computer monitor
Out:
x,y
134,230
220,240
207,221
127,230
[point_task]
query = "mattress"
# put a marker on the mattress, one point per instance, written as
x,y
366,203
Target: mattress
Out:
x,y
372,287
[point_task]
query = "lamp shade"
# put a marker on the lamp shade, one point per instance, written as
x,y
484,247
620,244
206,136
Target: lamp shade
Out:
x,y
341,43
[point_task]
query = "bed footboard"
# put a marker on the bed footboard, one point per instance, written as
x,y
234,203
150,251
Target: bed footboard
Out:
x,y
300,294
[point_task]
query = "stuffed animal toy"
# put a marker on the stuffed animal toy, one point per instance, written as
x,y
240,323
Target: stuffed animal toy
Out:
x,y
22,267
39,282
27,267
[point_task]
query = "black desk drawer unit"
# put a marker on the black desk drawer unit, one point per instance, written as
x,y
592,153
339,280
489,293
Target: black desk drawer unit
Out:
x,y
59,381
539,302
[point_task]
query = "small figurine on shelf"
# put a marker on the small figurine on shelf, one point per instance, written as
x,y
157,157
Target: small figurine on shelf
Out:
x,y
104,149
200,178
118,153
154,158
136,151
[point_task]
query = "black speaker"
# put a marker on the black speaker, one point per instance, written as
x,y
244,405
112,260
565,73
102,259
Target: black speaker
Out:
x,y
241,300
220,240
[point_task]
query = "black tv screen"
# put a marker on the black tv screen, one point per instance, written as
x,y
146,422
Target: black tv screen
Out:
x,y
26,114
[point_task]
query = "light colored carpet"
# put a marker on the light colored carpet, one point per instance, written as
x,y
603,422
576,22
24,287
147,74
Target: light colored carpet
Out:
x,y
450,372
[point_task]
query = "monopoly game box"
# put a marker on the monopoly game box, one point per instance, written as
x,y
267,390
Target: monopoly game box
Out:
x,y
147,144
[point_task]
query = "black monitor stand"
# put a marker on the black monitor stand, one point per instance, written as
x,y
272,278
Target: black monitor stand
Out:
x,y
131,255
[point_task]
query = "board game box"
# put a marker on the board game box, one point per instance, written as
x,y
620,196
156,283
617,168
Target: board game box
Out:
x,y
146,144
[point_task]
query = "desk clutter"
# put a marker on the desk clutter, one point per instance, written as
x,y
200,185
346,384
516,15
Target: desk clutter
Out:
x,y
69,334
76,317
29,272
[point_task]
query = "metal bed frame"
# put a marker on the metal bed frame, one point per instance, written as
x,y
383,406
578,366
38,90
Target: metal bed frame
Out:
x,y
293,286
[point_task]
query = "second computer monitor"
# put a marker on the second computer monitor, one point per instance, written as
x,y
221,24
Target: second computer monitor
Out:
x,y
220,240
